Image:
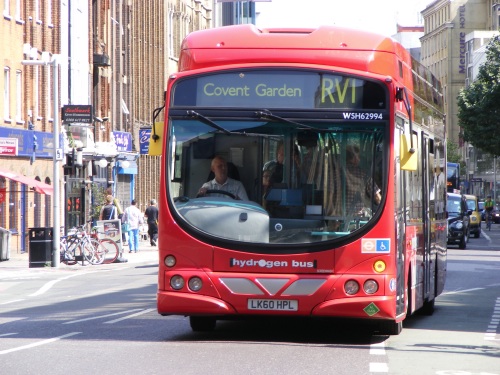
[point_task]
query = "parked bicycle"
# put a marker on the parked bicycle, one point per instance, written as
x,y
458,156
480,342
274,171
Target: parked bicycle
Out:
x,y
78,245
109,249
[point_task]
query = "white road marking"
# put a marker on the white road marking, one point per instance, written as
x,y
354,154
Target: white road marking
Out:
x,y
14,300
377,349
99,317
378,367
29,346
130,316
491,331
50,284
462,291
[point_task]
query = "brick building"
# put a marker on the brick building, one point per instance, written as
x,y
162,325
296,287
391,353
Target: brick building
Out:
x,y
157,32
113,56
28,31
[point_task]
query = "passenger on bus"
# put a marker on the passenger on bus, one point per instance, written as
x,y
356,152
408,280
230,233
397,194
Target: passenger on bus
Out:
x,y
222,181
276,166
266,185
359,184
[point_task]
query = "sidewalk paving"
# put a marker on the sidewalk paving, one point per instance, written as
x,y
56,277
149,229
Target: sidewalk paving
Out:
x,y
146,254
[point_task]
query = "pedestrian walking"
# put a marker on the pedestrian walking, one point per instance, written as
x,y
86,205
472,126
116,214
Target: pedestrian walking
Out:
x,y
108,211
133,218
151,215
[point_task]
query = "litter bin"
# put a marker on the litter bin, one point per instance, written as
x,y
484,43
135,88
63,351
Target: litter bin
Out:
x,y
4,244
41,241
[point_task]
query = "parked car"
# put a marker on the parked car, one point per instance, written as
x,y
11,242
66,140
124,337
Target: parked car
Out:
x,y
475,217
458,220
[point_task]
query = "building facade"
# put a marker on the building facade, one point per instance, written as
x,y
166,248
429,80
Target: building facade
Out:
x,y
157,31
456,34
113,58
28,31
446,24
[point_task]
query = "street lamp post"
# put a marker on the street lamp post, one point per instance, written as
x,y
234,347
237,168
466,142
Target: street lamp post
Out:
x,y
495,179
56,232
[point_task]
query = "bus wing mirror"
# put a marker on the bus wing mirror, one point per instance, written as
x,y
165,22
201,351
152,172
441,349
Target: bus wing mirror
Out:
x,y
408,155
156,139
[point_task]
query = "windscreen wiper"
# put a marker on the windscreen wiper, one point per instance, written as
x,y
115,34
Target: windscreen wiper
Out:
x,y
267,115
207,121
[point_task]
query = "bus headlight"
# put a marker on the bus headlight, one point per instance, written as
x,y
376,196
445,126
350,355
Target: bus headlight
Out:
x,y
169,261
351,287
177,282
195,284
370,287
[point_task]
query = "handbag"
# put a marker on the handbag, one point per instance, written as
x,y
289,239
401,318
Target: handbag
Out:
x,y
125,227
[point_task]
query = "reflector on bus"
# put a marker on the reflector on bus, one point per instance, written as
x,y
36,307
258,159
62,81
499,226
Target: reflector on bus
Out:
x,y
408,159
156,139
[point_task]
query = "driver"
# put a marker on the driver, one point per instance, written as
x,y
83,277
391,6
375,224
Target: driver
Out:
x,y
222,181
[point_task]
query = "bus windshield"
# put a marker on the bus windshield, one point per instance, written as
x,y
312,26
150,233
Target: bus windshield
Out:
x,y
305,181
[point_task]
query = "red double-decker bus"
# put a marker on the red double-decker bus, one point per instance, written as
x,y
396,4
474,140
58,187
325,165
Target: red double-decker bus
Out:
x,y
337,139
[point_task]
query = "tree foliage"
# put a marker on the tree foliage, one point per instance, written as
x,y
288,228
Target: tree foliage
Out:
x,y
452,152
453,156
478,104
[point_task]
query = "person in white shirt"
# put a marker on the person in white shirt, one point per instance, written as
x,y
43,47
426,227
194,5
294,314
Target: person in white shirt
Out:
x,y
133,217
223,182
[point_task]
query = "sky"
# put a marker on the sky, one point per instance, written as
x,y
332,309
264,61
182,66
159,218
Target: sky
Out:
x,y
379,16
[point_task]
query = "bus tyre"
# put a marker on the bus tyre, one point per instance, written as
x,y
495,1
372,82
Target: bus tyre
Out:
x,y
202,323
390,327
428,307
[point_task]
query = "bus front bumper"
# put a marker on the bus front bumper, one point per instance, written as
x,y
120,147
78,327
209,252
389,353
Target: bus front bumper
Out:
x,y
374,307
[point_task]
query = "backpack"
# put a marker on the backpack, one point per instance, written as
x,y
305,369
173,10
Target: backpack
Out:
x,y
107,212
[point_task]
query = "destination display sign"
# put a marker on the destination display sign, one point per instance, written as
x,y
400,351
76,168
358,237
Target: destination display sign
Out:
x,y
280,89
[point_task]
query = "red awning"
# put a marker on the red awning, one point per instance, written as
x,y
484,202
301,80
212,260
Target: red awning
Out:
x,y
37,186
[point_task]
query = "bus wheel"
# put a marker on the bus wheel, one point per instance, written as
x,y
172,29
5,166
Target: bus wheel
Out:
x,y
390,327
202,323
428,307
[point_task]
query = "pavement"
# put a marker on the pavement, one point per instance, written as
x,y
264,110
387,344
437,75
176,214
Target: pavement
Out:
x,y
147,254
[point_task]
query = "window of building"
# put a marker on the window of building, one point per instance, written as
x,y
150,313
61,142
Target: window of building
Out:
x,y
6,93
48,96
170,25
19,12
19,96
6,8
37,209
13,205
48,205
36,7
36,91
3,203
48,6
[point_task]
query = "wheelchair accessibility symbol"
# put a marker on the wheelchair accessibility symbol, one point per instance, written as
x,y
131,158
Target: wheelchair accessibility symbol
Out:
x,y
376,245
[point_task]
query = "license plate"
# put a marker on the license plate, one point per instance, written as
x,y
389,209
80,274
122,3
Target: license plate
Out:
x,y
273,304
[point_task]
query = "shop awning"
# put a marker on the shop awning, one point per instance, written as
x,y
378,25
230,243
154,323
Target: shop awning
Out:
x,y
37,186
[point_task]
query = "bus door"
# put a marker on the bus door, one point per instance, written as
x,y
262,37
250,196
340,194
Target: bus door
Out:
x,y
427,179
399,218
